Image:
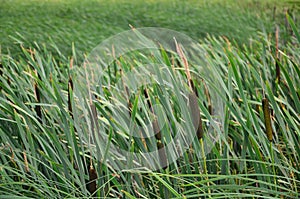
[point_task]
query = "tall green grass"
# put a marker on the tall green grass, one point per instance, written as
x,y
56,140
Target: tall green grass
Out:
x,y
86,23
43,156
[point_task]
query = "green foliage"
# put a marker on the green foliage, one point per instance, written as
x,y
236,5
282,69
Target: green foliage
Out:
x,y
42,155
46,158
86,23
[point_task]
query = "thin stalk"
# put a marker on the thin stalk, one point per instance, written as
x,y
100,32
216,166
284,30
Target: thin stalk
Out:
x,y
277,55
273,165
205,166
70,89
38,98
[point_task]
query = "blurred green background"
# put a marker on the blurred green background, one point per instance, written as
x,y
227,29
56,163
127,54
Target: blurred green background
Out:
x,y
87,23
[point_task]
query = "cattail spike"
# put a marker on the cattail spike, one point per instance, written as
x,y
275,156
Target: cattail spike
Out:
x,y
162,154
268,125
196,116
92,185
156,129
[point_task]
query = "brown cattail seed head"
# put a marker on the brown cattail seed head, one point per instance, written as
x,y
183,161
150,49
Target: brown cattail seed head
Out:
x,y
268,125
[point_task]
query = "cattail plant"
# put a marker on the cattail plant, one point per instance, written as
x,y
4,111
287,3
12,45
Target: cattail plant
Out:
x,y
196,115
156,129
92,185
162,153
268,125
193,100
193,95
